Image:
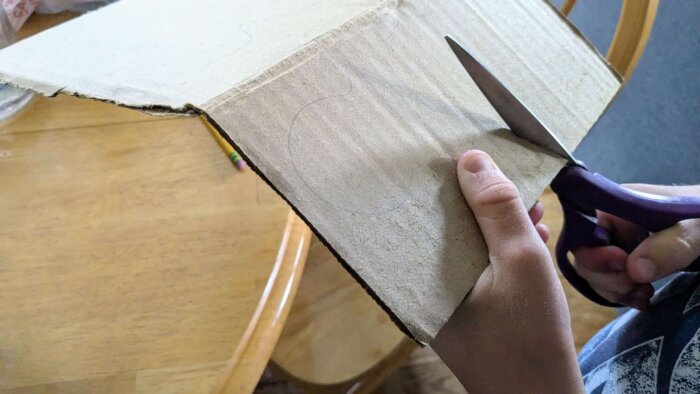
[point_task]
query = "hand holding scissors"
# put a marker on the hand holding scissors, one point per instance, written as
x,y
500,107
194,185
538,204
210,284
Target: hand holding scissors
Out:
x,y
580,192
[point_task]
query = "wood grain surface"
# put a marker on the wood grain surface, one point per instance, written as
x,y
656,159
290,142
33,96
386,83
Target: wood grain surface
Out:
x,y
133,254
255,347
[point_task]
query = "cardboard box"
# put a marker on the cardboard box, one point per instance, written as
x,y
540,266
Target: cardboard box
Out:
x,y
355,112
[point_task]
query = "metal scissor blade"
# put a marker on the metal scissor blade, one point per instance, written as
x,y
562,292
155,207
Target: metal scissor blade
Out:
x,y
521,121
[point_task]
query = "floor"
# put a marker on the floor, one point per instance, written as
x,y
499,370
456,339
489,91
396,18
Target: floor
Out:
x,y
424,372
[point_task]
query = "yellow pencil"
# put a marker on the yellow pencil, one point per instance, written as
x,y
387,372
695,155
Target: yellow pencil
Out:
x,y
236,159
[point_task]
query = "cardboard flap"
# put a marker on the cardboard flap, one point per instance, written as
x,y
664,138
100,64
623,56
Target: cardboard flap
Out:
x,y
169,54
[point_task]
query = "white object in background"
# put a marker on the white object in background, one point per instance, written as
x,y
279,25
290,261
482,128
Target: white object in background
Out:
x,y
54,6
13,14
17,11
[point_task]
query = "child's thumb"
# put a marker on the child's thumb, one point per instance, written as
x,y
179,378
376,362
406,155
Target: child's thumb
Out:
x,y
665,252
497,207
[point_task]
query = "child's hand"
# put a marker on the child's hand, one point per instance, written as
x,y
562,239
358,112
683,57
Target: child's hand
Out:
x,y
512,333
625,279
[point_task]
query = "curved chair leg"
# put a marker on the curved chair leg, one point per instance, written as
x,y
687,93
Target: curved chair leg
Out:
x,y
249,359
337,339
567,7
631,35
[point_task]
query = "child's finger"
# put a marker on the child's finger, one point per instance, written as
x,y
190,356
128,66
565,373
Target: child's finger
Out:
x,y
499,211
542,231
536,212
623,233
640,298
615,282
601,259
665,252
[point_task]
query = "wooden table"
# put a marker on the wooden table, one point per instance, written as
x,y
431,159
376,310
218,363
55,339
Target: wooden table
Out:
x,y
134,257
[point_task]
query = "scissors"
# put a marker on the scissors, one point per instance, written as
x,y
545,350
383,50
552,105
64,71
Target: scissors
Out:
x,y
580,191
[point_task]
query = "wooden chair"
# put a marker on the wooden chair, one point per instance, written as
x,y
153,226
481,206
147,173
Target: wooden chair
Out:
x,y
249,359
631,35
337,339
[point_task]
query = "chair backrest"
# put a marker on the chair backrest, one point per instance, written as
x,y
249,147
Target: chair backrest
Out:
x,y
631,34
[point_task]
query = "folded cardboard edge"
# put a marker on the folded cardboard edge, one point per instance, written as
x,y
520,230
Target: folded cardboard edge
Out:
x,y
301,55
585,40
327,39
268,75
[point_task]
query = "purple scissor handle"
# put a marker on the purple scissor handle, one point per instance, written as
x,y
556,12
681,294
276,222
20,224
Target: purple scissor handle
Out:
x,y
581,193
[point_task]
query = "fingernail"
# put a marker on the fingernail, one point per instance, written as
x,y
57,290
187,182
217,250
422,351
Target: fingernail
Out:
x,y
616,265
475,162
647,269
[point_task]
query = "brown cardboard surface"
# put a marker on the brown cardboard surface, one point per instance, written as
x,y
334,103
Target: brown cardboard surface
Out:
x,y
361,134
355,120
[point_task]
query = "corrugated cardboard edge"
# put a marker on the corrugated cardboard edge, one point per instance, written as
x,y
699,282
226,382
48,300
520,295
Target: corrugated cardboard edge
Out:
x,y
268,75
49,90
585,40
304,53
600,56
